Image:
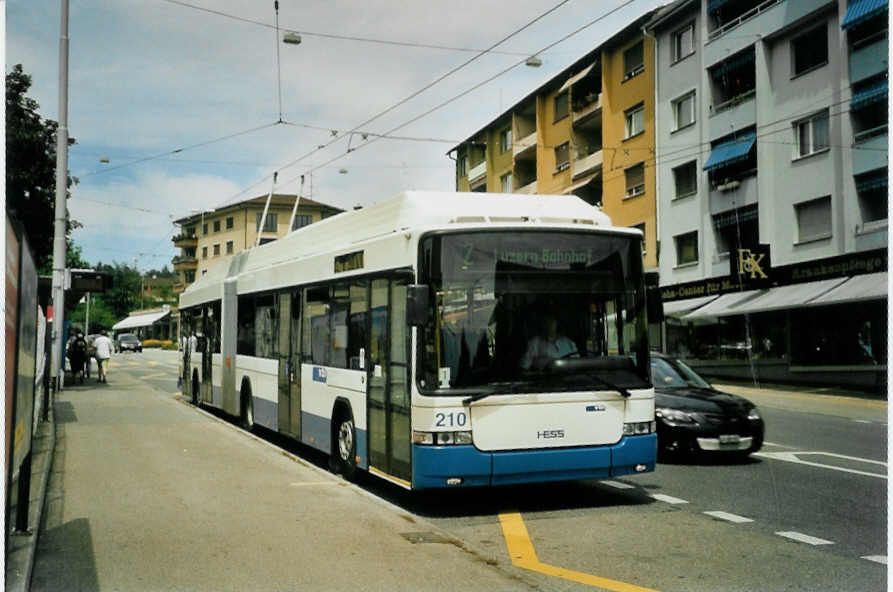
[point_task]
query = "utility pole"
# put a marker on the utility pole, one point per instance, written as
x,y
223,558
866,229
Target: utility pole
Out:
x,y
61,217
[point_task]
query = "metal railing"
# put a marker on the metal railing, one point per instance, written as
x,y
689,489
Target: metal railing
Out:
x,y
753,12
869,133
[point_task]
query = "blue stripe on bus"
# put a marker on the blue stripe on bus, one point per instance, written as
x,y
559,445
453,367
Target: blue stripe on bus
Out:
x,y
266,413
316,432
433,465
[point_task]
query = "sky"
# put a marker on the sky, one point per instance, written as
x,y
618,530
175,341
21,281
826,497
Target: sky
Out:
x,y
196,103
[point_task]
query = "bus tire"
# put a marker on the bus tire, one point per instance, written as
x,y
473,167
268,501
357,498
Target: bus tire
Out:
x,y
344,443
196,400
246,407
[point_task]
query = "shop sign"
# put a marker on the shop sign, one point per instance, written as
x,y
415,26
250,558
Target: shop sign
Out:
x,y
751,267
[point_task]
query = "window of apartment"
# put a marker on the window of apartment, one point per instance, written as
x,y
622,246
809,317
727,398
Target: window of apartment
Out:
x,y
190,231
737,229
270,223
871,189
809,50
505,140
302,220
811,135
189,276
641,227
462,166
562,106
633,61
635,120
204,229
684,42
562,157
216,249
216,225
505,182
189,252
813,219
635,180
229,247
686,248
685,178
204,252
229,222
684,111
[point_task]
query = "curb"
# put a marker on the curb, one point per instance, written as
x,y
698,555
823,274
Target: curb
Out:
x,y
20,562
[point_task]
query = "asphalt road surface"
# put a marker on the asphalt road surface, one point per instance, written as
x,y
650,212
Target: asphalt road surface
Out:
x,y
150,493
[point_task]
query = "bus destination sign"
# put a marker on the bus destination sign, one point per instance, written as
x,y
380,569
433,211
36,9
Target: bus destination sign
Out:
x,y
349,262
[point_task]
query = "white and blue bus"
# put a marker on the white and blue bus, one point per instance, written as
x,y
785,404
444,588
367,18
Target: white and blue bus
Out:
x,y
438,340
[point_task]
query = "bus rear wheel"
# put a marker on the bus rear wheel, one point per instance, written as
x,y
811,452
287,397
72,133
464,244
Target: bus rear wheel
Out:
x,y
346,446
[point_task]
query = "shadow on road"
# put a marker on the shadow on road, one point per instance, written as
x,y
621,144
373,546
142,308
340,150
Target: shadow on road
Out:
x,y
66,559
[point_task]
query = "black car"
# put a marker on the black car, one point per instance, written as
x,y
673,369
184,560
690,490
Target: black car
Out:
x,y
128,342
694,417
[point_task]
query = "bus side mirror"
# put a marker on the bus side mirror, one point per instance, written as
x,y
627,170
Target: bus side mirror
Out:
x,y
418,304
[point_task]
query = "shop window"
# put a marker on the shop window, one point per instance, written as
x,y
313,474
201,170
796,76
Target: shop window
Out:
x,y
856,337
809,50
813,219
685,178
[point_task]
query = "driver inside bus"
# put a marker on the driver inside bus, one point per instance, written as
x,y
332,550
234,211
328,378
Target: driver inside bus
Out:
x,y
552,345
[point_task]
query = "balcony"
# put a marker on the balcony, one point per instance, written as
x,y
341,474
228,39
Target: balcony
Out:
x,y
185,240
477,171
733,115
184,263
734,193
870,150
178,287
762,21
582,109
525,147
869,58
587,163
529,189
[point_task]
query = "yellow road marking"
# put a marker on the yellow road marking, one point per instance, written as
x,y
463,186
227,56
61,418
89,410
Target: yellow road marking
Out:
x,y
524,556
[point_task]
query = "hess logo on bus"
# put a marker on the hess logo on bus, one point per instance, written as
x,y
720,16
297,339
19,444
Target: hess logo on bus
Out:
x,y
545,434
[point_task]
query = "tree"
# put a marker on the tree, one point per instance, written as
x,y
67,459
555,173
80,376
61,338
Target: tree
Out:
x,y
31,167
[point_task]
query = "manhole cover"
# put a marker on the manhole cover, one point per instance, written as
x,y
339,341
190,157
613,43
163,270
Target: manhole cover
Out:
x,y
424,537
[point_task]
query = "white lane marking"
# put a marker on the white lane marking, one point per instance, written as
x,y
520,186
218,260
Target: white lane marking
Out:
x,y
860,421
729,517
779,445
618,484
668,498
804,538
876,558
792,457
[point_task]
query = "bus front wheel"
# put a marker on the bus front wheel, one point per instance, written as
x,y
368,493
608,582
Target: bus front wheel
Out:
x,y
346,446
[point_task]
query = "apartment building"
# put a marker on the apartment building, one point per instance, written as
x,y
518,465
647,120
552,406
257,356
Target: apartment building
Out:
x,y
771,152
207,238
585,132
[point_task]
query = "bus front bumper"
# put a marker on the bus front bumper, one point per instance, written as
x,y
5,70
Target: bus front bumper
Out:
x,y
466,466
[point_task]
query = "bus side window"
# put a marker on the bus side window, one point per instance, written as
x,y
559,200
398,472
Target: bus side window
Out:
x,y
317,341
357,333
245,341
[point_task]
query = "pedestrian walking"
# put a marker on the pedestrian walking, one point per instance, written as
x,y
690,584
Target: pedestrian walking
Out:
x,y
77,356
103,347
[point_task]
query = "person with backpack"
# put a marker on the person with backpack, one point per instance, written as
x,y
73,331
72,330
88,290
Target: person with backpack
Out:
x,y
77,355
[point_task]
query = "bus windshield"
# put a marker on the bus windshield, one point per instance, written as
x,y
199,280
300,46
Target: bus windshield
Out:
x,y
533,311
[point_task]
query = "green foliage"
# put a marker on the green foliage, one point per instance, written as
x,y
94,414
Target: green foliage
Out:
x,y
31,167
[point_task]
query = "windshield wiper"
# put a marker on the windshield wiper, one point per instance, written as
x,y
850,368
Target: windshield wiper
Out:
x,y
494,388
622,390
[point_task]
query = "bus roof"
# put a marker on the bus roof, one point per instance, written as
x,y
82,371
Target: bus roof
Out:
x,y
406,211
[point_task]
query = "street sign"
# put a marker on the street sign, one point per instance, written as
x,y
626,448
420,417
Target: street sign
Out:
x,y
87,280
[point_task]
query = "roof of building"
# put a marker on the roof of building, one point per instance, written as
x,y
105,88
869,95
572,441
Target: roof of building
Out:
x,y
668,11
279,199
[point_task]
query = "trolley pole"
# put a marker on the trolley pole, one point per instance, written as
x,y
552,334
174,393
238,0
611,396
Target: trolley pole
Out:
x,y
61,217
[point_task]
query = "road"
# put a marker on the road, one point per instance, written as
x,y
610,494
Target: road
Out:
x,y
807,513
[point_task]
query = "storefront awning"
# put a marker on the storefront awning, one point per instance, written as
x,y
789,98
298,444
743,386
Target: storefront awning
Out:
x,y
723,306
871,286
873,93
783,297
577,77
860,11
730,152
140,320
679,308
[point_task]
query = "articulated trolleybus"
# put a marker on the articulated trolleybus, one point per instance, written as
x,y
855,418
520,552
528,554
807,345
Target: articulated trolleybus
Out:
x,y
438,340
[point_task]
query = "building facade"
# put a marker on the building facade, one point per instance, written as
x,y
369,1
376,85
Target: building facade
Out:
x,y
210,237
585,132
771,151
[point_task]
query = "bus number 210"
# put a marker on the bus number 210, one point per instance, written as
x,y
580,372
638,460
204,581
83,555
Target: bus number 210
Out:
x,y
450,419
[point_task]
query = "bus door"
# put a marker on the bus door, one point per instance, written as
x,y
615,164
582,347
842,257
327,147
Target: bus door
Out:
x,y
290,363
211,341
388,372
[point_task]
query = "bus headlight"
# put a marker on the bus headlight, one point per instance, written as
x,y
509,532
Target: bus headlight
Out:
x,y
441,438
639,428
